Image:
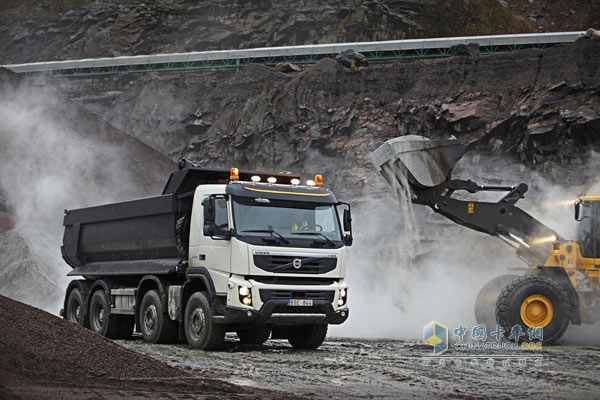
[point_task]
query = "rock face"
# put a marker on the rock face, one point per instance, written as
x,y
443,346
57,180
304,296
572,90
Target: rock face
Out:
x,y
531,109
48,30
111,28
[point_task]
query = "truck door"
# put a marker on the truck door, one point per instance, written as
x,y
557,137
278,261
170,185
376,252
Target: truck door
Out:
x,y
214,252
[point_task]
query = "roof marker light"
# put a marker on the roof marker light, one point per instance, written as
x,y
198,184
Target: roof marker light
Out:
x,y
271,180
319,180
234,174
255,179
295,182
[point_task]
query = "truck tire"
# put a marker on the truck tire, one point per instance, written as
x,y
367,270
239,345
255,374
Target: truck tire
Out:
x,y
155,325
485,303
200,331
74,311
254,335
307,336
127,324
101,321
534,300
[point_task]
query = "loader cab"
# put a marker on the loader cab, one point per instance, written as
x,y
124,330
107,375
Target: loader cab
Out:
x,y
587,211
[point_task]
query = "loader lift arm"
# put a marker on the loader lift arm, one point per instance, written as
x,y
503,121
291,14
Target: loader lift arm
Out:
x,y
423,168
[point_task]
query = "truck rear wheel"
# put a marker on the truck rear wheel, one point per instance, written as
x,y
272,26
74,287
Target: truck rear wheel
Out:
x,y
485,303
537,301
307,336
101,321
75,307
254,335
155,325
200,330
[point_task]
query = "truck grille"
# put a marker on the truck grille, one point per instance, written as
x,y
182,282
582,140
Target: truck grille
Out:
x,y
292,280
271,294
285,264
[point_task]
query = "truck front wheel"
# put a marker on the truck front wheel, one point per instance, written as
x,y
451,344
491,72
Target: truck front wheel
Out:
x,y
200,331
156,327
101,321
307,336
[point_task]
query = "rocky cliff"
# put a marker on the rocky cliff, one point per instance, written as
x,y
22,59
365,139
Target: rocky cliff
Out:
x,y
70,29
533,110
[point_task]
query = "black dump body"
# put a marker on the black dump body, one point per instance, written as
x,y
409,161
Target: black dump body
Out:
x,y
120,238
139,237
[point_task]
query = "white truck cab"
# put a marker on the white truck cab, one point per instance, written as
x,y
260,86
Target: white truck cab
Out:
x,y
275,253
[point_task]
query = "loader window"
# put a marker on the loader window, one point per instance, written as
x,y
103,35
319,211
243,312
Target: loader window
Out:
x,y
584,232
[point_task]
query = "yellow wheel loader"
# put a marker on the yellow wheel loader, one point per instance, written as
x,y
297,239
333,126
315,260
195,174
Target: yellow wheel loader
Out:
x,y
562,282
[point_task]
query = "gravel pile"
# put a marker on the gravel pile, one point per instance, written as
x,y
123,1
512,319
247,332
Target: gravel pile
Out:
x,y
43,356
34,343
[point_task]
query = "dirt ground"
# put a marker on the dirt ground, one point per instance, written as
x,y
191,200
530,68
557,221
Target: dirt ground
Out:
x,y
43,356
358,368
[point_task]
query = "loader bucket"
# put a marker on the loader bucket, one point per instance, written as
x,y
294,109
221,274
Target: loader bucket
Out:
x,y
416,161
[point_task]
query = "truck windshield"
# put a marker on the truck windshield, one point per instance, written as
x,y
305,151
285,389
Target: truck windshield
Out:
x,y
259,217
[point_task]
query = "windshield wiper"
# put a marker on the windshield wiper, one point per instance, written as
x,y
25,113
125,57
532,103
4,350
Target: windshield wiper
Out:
x,y
315,233
271,231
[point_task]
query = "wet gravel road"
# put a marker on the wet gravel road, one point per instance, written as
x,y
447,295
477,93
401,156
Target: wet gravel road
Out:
x,y
359,368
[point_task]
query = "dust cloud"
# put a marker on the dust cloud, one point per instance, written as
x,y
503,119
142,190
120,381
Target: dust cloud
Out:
x,y
410,266
48,163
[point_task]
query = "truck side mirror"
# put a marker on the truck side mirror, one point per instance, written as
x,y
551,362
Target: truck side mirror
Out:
x,y
347,220
577,209
209,216
347,225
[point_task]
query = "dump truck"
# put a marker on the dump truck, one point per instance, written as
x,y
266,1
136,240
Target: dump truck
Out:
x,y
561,284
218,251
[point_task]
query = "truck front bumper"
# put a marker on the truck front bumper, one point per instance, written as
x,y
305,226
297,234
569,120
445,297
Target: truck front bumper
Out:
x,y
277,312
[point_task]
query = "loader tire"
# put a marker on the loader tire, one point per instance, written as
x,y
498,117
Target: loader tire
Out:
x,y
307,336
101,321
155,324
254,335
534,300
485,303
200,330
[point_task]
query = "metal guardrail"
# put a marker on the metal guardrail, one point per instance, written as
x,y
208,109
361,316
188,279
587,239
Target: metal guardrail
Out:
x,y
305,54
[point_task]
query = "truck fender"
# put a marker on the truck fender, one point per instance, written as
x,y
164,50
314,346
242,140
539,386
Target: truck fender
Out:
x,y
84,287
198,279
98,284
559,275
203,275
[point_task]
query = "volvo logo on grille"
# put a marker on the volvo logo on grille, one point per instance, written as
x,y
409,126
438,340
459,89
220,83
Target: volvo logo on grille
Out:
x,y
297,263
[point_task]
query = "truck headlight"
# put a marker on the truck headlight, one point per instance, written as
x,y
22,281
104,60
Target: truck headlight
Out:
x,y
342,296
245,295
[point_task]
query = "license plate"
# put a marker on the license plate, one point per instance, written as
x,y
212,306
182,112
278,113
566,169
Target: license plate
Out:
x,y
299,302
